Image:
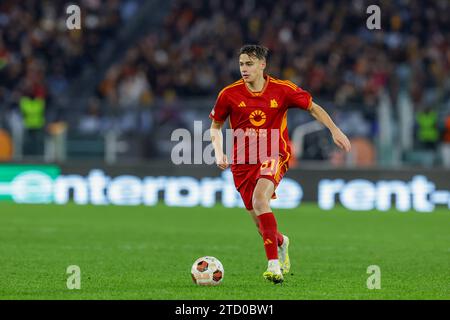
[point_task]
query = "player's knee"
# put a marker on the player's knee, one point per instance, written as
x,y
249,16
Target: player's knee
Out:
x,y
260,203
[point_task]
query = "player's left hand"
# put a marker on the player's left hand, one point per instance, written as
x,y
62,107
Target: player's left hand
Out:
x,y
222,161
341,140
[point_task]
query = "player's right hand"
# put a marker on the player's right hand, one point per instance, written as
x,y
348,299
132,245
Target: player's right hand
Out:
x,y
222,162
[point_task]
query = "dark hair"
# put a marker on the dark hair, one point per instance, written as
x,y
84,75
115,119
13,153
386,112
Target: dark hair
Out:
x,y
255,50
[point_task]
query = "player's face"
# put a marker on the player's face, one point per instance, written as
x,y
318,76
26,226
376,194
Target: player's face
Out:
x,y
251,67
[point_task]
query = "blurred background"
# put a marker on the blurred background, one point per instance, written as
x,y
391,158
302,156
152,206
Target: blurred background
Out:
x,y
114,91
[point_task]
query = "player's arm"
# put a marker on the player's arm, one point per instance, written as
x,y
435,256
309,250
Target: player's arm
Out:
x,y
299,98
218,115
217,142
339,138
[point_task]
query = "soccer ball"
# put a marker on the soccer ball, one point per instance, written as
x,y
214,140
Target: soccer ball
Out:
x,y
207,271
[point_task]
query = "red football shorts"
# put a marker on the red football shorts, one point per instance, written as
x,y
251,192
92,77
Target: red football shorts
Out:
x,y
246,176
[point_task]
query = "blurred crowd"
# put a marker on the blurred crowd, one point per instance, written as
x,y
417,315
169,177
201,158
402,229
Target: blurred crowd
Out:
x,y
323,46
40,58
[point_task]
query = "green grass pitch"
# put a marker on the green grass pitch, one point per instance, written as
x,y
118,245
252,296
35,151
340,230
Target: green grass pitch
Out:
x,y
147,252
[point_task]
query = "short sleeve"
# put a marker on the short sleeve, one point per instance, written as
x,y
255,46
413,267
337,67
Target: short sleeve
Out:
x,y
299,98
221,109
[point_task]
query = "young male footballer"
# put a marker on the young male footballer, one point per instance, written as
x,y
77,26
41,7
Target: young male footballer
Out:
x,y
257,104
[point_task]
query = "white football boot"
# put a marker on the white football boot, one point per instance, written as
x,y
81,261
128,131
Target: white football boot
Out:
x,y
273,272
283,255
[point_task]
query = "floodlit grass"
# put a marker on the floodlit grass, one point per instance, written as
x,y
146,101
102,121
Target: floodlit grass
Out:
x,y
147,252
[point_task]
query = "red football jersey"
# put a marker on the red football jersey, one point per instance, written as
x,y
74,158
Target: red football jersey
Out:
x,y
256,113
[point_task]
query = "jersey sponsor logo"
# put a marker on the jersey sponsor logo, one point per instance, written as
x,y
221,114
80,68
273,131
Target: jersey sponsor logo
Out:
x,y
273,103
252,132
257,118
242,104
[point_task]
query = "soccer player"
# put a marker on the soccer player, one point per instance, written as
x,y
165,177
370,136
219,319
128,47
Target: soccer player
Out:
x,y
256,104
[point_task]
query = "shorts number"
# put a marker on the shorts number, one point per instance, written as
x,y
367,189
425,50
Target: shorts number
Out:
x,y
268,167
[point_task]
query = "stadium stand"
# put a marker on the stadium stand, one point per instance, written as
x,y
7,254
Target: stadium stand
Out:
x,y
168,77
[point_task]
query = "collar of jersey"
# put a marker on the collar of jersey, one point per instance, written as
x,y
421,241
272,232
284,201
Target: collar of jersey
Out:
x,y
259,93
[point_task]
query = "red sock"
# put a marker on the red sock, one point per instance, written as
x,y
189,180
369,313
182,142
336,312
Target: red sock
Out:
x,y
279,238
268,227
279,235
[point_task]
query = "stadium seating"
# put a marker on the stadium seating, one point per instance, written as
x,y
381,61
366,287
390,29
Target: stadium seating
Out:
x,y
182,64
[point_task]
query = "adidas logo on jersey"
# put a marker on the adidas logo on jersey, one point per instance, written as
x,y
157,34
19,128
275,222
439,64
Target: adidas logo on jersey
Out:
x,y
242,104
